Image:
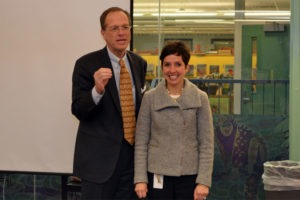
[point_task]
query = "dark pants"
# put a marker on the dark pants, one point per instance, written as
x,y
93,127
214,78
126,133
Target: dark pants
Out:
x,y
119,185
175,188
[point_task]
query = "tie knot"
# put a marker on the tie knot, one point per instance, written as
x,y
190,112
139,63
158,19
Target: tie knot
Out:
x,y
122,63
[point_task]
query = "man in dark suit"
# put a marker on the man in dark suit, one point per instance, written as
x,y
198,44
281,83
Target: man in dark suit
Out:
x,y
103,157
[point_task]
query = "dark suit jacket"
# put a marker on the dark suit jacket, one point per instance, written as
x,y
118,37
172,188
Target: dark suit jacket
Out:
x,y
100,130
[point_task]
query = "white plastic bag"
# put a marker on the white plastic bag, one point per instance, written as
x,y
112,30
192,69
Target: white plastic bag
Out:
x,y
281,175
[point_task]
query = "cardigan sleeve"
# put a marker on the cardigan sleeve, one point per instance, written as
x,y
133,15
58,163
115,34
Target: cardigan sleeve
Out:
x,y
142,137
206,142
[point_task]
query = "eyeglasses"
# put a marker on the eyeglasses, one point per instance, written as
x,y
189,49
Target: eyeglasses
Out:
x,y
117,28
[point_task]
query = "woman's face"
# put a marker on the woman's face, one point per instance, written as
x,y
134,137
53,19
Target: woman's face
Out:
x,y
174,70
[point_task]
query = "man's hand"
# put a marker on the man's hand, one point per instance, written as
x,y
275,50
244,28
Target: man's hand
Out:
x,y
101,78
200,192
141,190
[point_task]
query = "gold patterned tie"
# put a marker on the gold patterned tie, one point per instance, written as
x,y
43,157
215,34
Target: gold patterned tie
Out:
x,y
127,105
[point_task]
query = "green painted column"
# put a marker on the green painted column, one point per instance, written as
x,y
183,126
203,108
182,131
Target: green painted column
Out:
x,y
295,82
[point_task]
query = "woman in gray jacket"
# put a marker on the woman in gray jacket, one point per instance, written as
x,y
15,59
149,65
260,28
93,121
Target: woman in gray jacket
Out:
x,y
174,134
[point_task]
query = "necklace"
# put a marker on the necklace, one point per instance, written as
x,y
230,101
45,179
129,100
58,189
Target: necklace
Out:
x,y
176,93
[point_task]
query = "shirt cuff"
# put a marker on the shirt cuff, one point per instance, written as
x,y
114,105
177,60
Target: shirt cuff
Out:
x,y
96,96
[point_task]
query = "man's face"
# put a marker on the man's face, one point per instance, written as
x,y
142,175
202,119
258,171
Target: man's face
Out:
x,y
117,32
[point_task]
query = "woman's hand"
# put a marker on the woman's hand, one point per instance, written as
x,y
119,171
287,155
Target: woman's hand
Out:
x,y
201,191
141,190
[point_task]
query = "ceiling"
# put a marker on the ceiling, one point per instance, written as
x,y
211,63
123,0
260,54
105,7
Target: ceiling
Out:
x,y
204,16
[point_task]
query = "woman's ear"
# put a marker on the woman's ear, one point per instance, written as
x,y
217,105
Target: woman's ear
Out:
x,y
187,67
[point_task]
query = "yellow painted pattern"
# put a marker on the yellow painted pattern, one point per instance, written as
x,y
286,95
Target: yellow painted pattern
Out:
x,y
127,104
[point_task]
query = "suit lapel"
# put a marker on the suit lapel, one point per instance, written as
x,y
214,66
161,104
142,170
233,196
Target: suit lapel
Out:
x,y
112,89
111,85
136,79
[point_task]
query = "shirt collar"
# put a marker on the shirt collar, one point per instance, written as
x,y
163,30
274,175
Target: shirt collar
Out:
x,y
115,58
189,98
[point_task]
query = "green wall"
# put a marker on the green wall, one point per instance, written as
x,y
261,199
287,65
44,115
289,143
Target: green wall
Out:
x,y
272,64
295,82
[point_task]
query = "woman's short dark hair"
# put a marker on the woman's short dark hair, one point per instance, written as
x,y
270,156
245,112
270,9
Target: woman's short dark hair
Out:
x,y
178,48
109,10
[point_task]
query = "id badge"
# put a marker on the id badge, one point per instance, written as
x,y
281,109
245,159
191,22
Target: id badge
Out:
x,y
158,181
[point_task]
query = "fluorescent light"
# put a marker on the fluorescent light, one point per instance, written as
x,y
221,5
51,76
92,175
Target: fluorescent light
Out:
x,y
138,14
257,20
185,4
260,13
184,14
267,13
204,21
148,10
228,14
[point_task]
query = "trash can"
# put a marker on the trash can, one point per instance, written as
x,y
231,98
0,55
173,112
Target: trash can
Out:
x,y
281,180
